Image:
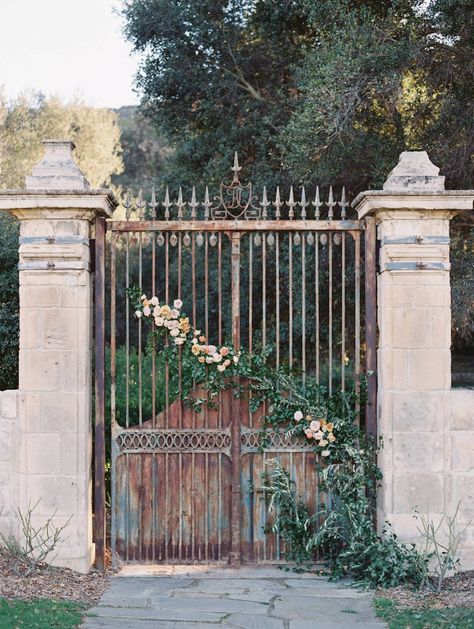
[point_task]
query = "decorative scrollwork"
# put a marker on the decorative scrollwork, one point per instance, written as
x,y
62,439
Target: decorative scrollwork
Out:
x,y
236,200
272,441
173,440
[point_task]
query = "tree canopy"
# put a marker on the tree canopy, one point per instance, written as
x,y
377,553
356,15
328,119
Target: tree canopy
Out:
x,y
326,92
30,118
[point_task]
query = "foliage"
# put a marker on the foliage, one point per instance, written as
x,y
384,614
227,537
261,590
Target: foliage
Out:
x,y
343,530
36,543
216,77
292,520
326,92
400,617
30,118
441,549
40,613
144,152
9,302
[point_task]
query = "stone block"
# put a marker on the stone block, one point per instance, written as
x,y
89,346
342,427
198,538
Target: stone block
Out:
x,y
432,296
7,452
44,370
440,328
419,411
70,443
462,451
31,327
417,452
55,494
43,453
418,491
462,409
410,328
419,278
9,404
59,412
465,494
401,295
60,328
429,369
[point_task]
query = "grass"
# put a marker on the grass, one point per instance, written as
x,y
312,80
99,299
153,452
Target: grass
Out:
x,y
409,618
40,614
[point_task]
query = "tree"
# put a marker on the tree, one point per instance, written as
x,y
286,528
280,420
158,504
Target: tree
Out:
x,y
24,123
316,92
29,119
216,77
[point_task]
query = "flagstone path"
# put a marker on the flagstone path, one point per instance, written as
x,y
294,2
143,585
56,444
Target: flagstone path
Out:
x,y
201,597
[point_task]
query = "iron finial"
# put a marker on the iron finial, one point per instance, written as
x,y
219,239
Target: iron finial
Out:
x,y
317,203
291,204
277,203
264,202
343,203
330,203
236,168
193,203
153,203
167,204
303,203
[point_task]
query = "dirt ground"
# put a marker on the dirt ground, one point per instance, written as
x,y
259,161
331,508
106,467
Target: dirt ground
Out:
x,y
49,582
458,591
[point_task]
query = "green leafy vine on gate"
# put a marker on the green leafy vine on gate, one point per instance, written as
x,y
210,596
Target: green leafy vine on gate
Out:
x,y
342,531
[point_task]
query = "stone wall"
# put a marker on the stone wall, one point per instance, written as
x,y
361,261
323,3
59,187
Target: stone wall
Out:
x,y
459,469
10,441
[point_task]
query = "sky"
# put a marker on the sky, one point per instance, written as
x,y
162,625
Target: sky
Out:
x,y
69,48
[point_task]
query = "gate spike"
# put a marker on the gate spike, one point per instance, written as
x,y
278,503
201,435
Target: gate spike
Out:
x,y
166,204
141,205
330,203
317,204
291,204
180,204
127,204
343,203
303,203
277,203
193,203
264,202
207,204
153,203
236,168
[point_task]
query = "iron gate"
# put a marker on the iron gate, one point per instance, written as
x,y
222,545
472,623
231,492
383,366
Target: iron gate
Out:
x,y
252,273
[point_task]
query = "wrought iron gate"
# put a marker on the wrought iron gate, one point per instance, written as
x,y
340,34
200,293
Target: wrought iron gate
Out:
x,y
254,273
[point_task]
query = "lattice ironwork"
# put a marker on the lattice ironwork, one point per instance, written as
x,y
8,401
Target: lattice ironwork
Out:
x,y
169,440
272,441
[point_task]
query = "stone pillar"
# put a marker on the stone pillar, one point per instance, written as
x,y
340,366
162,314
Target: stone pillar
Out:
x,y
57,212
412,213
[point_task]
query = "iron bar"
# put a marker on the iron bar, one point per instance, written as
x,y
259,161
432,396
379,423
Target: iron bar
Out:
x,y
371,326
99,428
330,331
240,226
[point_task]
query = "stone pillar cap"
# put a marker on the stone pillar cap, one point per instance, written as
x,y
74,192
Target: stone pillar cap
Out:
x,y
57,170
414,172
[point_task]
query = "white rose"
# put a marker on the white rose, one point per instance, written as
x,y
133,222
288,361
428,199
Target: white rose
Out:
x,y
174,332
159,321
146,311
179,341
154,301
209,360
178,303
174,313
325,453
194,341
236,359
138,314
298,416
143,297
221,368
217,358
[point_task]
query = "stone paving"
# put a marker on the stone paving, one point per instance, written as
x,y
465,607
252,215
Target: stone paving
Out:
x,y
201,597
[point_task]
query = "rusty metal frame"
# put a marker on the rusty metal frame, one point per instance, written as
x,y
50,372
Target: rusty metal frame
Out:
x,y
238,217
